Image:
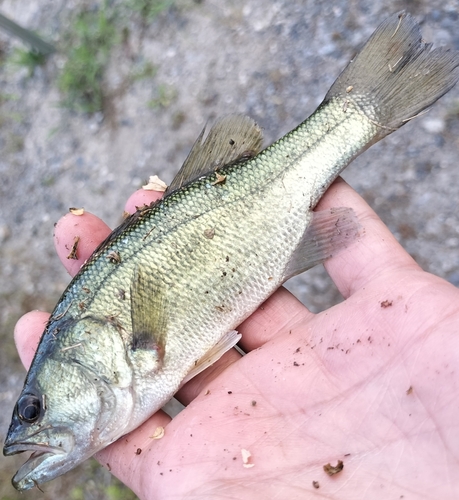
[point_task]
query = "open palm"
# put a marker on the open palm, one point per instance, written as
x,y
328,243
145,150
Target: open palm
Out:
x,y
372,382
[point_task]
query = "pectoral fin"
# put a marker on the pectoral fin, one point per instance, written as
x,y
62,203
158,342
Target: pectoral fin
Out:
x,y
329,232
228,341
231,138
148,315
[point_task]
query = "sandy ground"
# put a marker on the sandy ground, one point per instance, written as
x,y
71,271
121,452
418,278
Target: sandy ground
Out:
x,y
273,60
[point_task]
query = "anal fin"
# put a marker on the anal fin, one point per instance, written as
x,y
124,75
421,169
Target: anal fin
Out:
x,y
228,341
329,232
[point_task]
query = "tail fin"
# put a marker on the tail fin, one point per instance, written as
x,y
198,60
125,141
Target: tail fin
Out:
x,y
396,76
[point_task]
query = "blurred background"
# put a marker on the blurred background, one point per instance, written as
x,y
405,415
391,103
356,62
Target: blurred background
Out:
x,y
122,92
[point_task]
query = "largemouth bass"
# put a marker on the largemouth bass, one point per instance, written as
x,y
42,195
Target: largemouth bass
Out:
x,y
154,304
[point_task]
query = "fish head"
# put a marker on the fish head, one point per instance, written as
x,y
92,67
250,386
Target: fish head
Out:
x,y
66,412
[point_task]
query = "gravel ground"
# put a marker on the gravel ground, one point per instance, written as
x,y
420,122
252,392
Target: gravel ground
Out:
x,y
273,60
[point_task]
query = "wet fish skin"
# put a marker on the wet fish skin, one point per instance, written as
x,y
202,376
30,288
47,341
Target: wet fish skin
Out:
x,y
165,288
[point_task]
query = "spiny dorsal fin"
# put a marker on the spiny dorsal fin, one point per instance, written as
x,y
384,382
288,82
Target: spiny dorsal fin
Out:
x,y
231,138
148,315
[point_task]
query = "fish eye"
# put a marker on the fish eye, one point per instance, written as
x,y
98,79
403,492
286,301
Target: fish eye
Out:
x,y
29,408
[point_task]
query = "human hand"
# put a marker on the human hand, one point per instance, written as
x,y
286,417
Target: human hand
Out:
x,y
372,381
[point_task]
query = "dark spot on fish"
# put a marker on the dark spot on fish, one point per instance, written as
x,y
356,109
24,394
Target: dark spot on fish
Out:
x,y
113,320
86,289
108,467
316,484
254,403
121,294
230,392
227,258
223,273
298,349
114,257
138,451
295,363
209,233
409,390
82,306
386,303
148,234
73,251
331,470
232,143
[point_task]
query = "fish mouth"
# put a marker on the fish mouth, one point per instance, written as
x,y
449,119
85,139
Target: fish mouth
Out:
x,y
21,481
46,461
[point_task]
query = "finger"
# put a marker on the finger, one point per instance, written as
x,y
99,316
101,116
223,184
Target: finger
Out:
x,y
274,317
76,237
141,198
376,252
27,333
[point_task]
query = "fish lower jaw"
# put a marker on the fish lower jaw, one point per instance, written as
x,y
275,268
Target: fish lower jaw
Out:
x,y
24,477
45,462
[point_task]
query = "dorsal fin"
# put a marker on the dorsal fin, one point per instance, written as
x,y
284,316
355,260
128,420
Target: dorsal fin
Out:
x,y
231,138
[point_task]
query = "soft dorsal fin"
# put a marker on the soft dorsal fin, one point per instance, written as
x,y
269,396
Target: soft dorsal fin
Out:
x,y
231,138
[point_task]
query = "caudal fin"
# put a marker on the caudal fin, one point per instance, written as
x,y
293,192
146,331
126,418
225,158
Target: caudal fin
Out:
x,y
396,76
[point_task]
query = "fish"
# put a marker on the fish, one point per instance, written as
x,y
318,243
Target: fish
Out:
x,y
161,298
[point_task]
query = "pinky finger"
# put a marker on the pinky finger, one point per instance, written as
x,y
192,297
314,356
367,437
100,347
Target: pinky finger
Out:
x,y
27,333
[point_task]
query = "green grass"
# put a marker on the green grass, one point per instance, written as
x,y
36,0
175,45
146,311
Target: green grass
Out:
x,y
86,47
29,59
92,37
148,9
90,40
